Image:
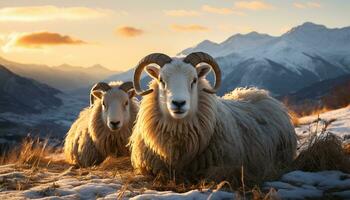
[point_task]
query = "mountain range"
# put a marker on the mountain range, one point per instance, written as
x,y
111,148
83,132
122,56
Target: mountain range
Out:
x,y
304,55
63,77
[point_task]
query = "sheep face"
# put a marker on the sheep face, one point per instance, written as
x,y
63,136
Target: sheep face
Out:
x,y
115,107
178,87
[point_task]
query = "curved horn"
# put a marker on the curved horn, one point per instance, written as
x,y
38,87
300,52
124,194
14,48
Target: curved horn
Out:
x,y
200,57
126,86
98,86
156,58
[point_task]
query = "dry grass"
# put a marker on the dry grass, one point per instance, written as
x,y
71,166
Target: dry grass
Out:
x,y
294,117
301,111
113,163
34,153
324,152
316,111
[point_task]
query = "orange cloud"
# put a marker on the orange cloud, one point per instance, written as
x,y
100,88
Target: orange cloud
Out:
x,y
189,28
221,11
299,5
39,40
307,5
128,31
45,13
253,5
181,13
314,4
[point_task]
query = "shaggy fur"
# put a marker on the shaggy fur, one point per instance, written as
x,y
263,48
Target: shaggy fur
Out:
x,y
244,128
89,140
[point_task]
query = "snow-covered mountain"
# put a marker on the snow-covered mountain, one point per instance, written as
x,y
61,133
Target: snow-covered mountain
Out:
x,y
304,55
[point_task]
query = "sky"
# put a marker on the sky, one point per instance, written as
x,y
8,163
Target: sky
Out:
x,y
118,33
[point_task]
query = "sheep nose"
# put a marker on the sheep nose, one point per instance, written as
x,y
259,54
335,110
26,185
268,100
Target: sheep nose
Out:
x,y
178,104
115,124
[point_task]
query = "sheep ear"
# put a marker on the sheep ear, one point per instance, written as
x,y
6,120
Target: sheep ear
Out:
x,y
131,93
98,93
152,71
203,70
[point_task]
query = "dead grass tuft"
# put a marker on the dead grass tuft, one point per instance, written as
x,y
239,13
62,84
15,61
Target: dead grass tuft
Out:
x,y
317,111
294,117
34,153
324,152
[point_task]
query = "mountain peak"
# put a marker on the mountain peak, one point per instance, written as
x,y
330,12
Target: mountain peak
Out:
x,y
312,25
250,36
253,33
307,27
97,66
206,46
206,43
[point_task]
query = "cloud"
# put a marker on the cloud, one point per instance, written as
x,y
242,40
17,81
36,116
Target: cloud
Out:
x,y
299,5
221,11
309,4
314,4
128,31
46,13
188,28
181,13
253,5
37,40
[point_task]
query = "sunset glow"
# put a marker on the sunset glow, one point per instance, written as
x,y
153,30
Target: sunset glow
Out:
x,y
116,34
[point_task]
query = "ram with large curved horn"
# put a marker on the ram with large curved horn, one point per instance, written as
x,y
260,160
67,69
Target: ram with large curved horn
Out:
x,y
200,57
154,58
184,128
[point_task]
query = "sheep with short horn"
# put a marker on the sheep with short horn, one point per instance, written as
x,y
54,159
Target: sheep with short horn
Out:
x,y
104,128
183,127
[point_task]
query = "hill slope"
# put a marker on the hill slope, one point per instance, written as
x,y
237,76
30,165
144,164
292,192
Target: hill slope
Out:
x,y
23,95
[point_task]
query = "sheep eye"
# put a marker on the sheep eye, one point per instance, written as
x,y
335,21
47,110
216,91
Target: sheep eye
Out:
x,y
162,82
193,82
126,103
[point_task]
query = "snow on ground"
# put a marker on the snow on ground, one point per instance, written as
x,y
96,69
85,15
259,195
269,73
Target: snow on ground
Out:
x,y
301,185
337,122
292,185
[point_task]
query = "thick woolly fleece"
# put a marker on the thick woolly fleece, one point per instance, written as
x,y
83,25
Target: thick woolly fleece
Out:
x,y
89,141
244,128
